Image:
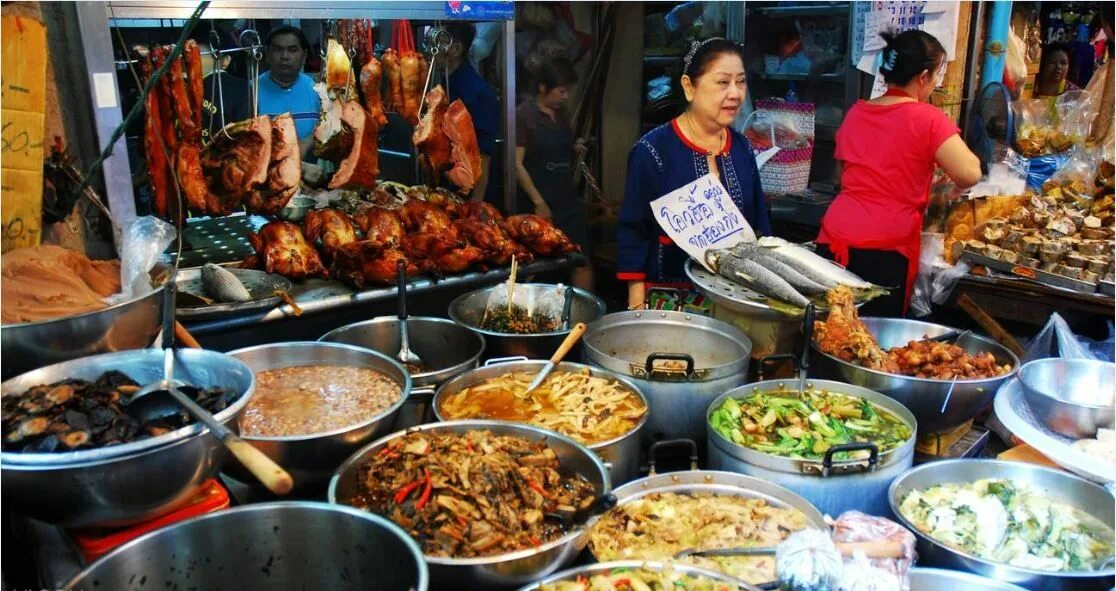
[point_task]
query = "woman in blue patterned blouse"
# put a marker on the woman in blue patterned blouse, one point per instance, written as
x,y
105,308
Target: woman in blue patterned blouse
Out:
x,y
675,154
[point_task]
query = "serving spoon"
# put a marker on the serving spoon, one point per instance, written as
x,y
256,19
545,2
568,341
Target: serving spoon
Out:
x,y
164,398
567,344
405,354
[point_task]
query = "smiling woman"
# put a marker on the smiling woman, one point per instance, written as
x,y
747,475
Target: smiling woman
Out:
x,y
697,143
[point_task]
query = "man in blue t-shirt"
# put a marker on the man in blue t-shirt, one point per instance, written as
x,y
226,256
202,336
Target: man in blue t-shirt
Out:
x,y
479,98
284,88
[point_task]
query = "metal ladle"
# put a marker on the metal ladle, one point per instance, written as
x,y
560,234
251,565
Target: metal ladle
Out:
x,y
165,397
406,355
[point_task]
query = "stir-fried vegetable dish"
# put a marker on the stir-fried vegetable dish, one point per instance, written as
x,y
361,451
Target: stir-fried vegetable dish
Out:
x,y
639,579
587,408
472,494
783,424
660,525
1014,523
517,320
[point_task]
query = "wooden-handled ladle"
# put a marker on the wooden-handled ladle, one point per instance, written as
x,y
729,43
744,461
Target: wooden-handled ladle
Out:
x,y
165,397
571,340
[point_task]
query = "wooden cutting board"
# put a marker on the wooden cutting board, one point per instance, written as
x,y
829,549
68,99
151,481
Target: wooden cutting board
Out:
x,y
1028,455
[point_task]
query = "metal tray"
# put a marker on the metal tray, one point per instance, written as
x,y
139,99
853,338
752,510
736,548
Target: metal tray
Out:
x,y
1013,412
1029,273
1107,288
260,285
721,290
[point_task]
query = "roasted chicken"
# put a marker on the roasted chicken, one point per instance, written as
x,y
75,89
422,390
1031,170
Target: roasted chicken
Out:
x,y
493,242
284,171
335,229
381,225
464,151
539,235
432,143
409,71
393,101
370,76
458,259
281,248
425,217
366,263
236,163
480,211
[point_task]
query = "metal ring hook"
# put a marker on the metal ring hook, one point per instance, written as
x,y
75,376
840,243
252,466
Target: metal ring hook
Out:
x,y
214,44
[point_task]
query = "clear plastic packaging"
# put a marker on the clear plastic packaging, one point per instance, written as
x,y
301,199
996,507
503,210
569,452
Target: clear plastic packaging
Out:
x,y
142,244
1056,339
854,526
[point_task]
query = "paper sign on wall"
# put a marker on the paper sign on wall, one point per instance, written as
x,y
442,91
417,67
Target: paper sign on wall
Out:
x,y
701,216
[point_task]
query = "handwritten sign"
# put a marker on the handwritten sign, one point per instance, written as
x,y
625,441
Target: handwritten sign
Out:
x,y
701,216
23,88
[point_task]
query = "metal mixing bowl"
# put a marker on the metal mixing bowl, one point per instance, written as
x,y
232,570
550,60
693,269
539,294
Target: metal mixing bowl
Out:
x,y
128,325
468,311
588,571
311,459
1074,397
1060,486
924,397
447,349
288,545
504,570
940,579
132,482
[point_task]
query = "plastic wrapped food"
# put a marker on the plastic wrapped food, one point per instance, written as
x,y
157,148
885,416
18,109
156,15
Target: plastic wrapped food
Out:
x,y
854,526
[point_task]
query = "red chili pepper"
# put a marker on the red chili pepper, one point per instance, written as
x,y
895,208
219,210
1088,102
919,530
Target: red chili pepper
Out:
x,y
535,541
402,494
538,488
622,583
425,498
462,522
388,451
469,446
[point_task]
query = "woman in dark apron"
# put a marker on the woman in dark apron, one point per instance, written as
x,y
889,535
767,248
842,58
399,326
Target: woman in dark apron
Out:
x,y
544,156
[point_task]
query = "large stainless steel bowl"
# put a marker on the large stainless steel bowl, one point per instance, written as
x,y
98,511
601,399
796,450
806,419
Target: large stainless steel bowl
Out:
x,y
505,570
924,397
940,579
447,349
127,483
1074,397
468,311
620,454
287,545
133,324
1061,486
588,571
311,459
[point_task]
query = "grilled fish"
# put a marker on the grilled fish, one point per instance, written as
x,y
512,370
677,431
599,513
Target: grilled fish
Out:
x,y
761,255
755,276
811,265
220,283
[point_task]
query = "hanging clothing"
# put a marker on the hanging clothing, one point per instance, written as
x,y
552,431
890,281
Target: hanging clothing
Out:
x,y
548,157
660,162
888,154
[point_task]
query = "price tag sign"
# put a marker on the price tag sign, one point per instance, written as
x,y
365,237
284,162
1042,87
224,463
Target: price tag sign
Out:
x,y
701,216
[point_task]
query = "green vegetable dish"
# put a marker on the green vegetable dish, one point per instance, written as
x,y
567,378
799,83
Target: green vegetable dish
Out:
x,y
1002,521
783,424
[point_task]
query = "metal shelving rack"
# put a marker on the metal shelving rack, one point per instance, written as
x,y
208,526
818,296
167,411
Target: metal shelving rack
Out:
x,y
97,43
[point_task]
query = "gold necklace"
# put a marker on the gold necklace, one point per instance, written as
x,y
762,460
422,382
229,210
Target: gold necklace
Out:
x,y
720,136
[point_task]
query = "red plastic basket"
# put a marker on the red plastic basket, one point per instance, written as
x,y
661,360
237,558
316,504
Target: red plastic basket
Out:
x,y
95,543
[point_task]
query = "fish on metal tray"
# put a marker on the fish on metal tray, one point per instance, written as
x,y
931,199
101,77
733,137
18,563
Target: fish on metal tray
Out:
x,y
755,276
811,264
223,285
761,255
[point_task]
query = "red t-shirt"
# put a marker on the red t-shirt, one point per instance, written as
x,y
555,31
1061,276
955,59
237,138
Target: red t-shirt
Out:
x,y
888,155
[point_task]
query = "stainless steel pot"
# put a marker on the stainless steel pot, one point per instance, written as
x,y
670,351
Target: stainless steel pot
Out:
x,y
468,310
925,398
832,486
505,570
446,347
590,570
1061,486
132,482
288,545
938,579
620,455
311,459
1073,397
713,482
635,345
133,324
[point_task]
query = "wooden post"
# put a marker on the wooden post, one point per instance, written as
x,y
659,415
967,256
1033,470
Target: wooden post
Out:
x,y
953,87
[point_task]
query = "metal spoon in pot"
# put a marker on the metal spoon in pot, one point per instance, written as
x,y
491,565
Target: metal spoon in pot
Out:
x,y
165,397
571,340
405,354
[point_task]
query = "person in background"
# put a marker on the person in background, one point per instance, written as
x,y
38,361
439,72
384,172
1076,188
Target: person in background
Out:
x,y
544,154
284,88
1054,68
888,148
671,156
466,84
224,93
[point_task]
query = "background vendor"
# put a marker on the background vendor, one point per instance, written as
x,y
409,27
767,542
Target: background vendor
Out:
x,y
888,148
284,88
680,152
1053,76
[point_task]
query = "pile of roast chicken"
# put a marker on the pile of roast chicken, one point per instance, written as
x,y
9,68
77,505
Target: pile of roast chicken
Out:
x,y
255,165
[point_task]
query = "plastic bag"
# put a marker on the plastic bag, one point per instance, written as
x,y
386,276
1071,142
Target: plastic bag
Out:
x,y
1053,125
1041,168
1056,339
877,573
143,242
547,303
1007,174
944,280
930,256
1078,171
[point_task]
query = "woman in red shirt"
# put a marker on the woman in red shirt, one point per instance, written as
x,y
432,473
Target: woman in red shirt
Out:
x,y
888,149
